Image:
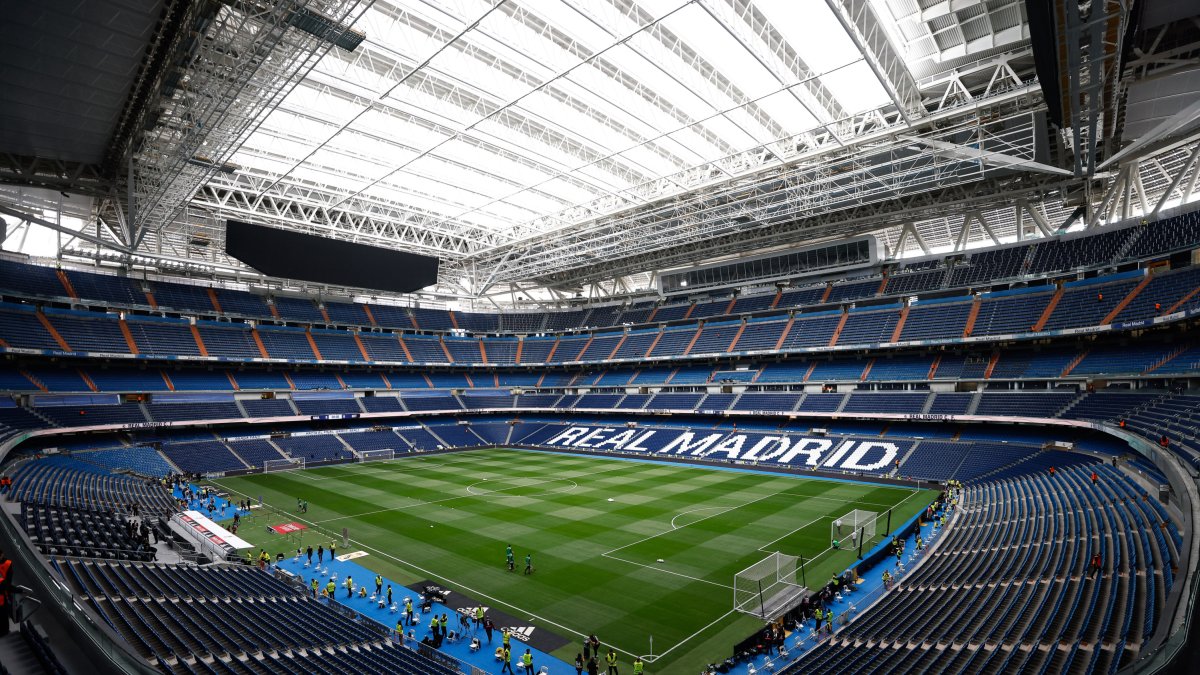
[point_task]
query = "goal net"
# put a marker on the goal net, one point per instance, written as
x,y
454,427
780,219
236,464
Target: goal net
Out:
x,y
282,465
376,455
769,587
852,528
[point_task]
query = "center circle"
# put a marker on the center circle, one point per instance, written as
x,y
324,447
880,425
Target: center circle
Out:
x,y
520,487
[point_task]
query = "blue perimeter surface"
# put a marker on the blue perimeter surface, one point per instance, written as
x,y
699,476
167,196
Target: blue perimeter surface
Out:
x,y
484,658
805,638
802,640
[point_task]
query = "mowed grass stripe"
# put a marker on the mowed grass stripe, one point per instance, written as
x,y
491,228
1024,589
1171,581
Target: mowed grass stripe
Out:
x,y
556,506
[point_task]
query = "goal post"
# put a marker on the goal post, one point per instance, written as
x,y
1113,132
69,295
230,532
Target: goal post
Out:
x,y
852,529
376,455
289,464
769,587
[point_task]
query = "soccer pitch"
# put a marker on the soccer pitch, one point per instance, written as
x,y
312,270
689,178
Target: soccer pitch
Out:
x,y
448,517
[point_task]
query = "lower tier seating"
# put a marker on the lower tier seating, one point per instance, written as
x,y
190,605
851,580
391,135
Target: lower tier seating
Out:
x,y
1010,588
66,482
232,619
61,531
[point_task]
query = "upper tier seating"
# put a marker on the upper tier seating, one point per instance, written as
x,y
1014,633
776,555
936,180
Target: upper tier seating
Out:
x,y
1079,304
1068,253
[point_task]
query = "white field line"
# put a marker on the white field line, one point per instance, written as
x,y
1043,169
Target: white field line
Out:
x,y
702,508
420,462
764,546
469,495
719,619
521,611
471,488
737,506
450,582
660,569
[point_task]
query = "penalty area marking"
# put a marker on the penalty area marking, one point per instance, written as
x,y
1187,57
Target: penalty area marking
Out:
x,y
702,508
657,568
764,548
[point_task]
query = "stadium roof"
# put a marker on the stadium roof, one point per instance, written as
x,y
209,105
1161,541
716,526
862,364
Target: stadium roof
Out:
x,y
564,142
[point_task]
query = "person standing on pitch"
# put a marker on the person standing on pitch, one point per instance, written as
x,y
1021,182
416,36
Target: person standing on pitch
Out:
x,y
611,659
529,563
510,559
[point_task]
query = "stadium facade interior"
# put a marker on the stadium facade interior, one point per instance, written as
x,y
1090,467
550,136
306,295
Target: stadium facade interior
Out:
x,y
877,244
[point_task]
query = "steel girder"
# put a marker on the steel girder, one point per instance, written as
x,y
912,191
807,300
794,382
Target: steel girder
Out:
x,y
241,68
322,210
53,174
860,171
863,27
1090,32
848,222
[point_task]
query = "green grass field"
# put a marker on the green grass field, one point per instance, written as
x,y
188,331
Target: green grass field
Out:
x,y
595,559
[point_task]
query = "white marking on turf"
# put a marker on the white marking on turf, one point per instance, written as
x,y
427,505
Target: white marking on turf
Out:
x,y
451,582
497,601
731,508
658,568
702,508
354,469
471,488
764,546
466,496
686,639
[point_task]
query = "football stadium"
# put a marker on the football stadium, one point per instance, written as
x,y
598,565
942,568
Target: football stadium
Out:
x,y
451,337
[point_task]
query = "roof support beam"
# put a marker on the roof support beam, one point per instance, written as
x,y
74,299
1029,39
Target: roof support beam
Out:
x,y
1024,207
990,157
78,234
908,230
862,25
1181,121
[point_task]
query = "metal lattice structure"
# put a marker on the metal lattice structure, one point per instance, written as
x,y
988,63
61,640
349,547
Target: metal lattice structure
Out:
x,y
562,145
